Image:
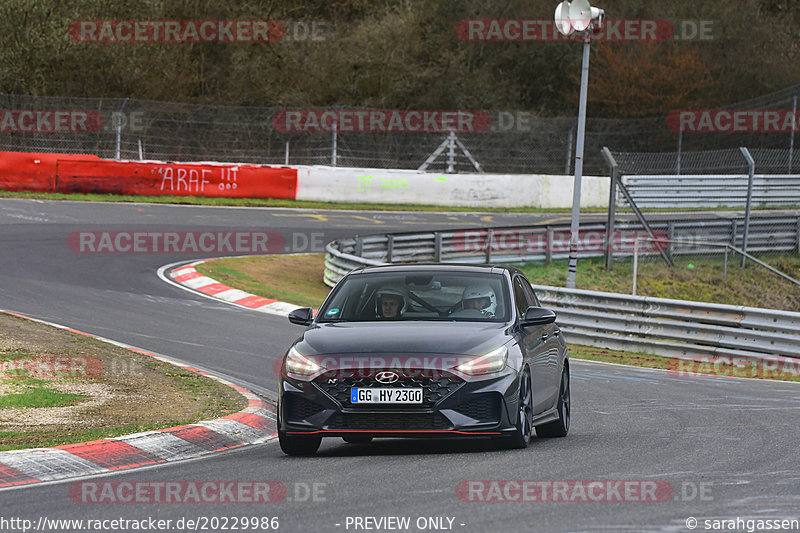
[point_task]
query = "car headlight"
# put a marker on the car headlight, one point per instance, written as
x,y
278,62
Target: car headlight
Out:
x,y
300,365
493,361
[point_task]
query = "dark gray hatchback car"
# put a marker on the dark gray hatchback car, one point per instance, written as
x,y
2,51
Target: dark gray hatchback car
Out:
x,y
425,350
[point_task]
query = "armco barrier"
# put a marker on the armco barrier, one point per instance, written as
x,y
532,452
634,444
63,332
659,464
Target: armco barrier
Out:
x,y
672,328
704,190
89,174
536,243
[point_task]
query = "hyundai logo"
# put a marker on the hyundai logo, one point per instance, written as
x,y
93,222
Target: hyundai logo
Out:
x,y
387,377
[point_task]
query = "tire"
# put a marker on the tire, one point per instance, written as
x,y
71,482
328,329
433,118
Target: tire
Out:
x,y
524,426
298,444
357,439
560,426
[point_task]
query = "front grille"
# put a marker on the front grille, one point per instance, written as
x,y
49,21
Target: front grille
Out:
x,y
435,387
484,408
389,421
298,408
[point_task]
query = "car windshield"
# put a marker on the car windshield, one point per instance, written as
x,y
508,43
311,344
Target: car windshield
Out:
x,y
418,296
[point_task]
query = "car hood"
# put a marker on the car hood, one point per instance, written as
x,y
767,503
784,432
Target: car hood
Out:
x,y
399,338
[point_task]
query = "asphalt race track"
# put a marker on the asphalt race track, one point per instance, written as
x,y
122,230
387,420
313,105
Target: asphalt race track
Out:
x,y
717,448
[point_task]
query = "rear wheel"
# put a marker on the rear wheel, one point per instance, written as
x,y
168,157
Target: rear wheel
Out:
x,y
560,426
524,426
356,439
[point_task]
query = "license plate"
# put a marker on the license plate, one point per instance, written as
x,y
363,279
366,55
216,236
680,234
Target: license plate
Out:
x,y
385,395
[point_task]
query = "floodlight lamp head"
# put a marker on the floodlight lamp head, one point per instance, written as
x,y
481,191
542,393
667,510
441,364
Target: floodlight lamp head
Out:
x,y
561,18
581,14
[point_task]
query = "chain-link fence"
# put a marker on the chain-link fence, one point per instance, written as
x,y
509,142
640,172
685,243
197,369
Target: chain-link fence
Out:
x,y
708,262
510,141
726,252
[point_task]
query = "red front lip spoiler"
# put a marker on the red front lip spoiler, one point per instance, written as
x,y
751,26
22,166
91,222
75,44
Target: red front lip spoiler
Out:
x,y
394,431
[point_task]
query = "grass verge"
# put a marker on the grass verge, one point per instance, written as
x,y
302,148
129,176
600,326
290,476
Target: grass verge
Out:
x,y
696,278
58,387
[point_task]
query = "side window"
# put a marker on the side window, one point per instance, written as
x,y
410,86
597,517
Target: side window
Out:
x,y
520,297
529,291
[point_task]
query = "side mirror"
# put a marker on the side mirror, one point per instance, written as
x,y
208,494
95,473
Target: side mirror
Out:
x,y
538,316
302,316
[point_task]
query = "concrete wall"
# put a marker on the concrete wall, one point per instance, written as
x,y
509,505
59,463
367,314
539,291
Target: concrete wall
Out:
x,y
370,185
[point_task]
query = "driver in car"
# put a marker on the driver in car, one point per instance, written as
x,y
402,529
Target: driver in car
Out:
x,y
391,303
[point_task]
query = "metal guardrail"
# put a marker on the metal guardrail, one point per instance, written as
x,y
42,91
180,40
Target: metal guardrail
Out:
x,y
537,243
704,190
672,328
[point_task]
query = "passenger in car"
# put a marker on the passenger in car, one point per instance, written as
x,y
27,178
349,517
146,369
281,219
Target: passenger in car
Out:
x,y
480,298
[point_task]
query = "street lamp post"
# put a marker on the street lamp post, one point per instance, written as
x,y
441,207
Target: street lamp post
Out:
x,y
577,16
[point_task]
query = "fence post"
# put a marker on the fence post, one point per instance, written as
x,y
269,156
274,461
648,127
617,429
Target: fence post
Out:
x,y
794,126
334,142
670,237
437,247
286,159
751,164
612,205
548,251
635,261
359,246
680,142
451,153
489,243
725,266
798,235
389,248
119,129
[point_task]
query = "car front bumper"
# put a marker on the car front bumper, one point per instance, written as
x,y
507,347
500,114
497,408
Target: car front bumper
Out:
x,y
484,407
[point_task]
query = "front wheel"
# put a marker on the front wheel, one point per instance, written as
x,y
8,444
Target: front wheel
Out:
x,y
560,426
299,444
524,426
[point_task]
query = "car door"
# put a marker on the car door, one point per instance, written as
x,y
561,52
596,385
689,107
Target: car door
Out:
x,y
533,343
554,348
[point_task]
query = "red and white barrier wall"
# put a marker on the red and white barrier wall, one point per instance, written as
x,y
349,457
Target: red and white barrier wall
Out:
x,y
334,184
69,173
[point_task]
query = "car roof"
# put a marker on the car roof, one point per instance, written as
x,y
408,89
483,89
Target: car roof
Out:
x,y
435,267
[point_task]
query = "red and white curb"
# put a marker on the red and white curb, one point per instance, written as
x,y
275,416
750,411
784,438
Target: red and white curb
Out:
x,y
252,425
188,277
